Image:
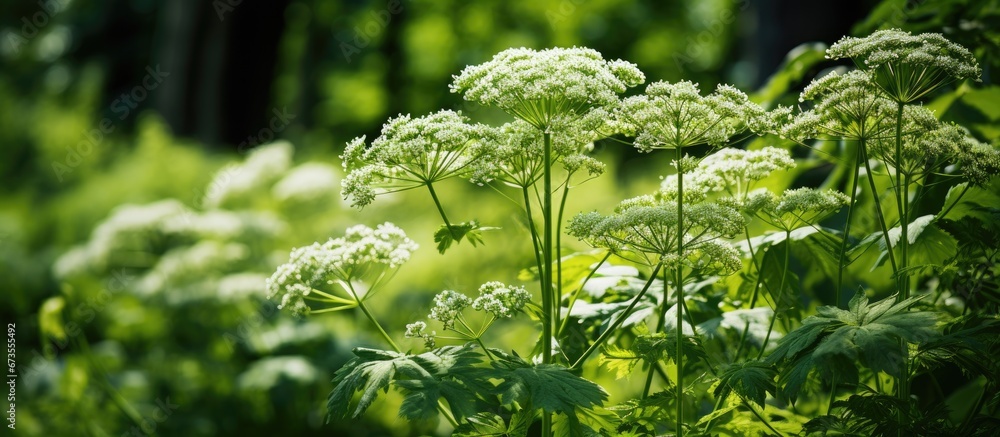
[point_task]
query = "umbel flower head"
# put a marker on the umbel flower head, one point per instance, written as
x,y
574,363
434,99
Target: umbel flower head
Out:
x,y
676,115
363,256
517,151
496,299
645,229
795,207
538,86
931,145
410,153
844,106
906,66
729,170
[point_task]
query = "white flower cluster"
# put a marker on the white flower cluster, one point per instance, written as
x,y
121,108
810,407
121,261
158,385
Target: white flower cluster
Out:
x,y
728,170
410,153
795,207
448,306
234,185
647,227
363,255
908,66
844,106
179,266
144,232
539,85
308,182
501,300
516,150
418,329
674,115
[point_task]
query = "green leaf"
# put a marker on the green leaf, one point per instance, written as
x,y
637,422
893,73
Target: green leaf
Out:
x,y
975,202
834,340
650,348
488,424
751,380
447,372
445,236
930,246
551,387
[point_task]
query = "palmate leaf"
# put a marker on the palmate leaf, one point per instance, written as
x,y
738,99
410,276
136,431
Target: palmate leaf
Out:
x,y
833,340
492,425
550,387
751,380
447,372
650,348
445,236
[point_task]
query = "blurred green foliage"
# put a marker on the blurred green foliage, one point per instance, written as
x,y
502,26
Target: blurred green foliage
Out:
x,y
155,326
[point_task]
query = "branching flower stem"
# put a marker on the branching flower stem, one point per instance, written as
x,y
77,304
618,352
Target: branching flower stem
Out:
x,y
679,283
548,293
576,293
847,225
614,326
878,207
437,203
371,317
781,291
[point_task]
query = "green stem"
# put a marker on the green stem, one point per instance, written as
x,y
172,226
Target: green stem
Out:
x,y
903,278
534,237
847,226
679,329
628,310
576,294
659,327
781,292
833,394
878,207
364,308
485,350
547,290
558,282
437,203
371,317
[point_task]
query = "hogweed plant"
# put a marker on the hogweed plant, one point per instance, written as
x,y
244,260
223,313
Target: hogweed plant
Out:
x,y
688,282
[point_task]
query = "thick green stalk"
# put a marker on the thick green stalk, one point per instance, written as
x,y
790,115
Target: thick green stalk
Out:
x,y
903,278
547,290
437,203
679,332
371,317
903,200
847,226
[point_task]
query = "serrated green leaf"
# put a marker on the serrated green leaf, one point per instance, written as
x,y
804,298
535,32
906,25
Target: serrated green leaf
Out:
x,y
834,340
551,387
483,424
751,380
445,236
447,372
